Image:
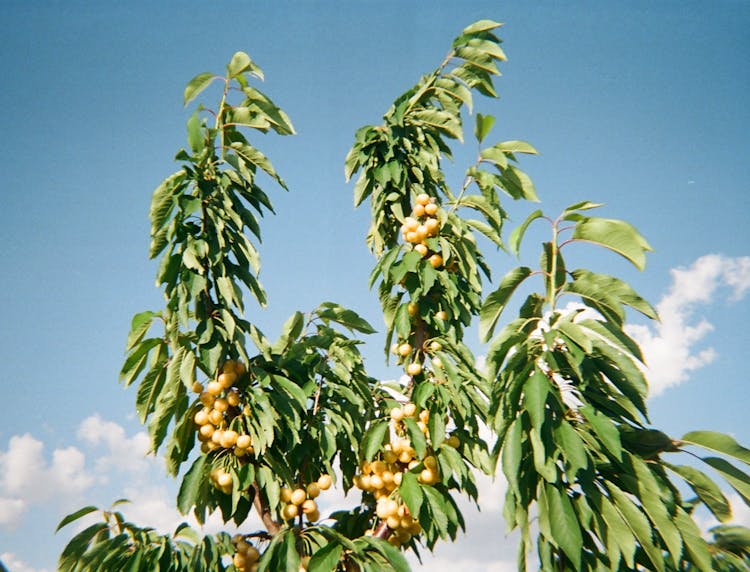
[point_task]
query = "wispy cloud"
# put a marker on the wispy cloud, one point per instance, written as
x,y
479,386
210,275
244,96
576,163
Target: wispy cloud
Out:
x,y
672,347
15,564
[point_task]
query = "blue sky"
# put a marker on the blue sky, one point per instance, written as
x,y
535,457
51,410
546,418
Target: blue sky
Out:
x,y
639,105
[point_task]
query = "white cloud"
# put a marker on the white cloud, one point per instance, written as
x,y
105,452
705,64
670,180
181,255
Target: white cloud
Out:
x,y
29,478
670,347
11,510
14,564
125,453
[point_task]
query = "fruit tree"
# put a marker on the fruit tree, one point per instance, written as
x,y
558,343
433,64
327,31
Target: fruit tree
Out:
x,y
261,430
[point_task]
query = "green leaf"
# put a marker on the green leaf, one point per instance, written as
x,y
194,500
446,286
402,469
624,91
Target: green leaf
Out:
x,y
536,389
195,134
138,327
564,525
480,26
495,303
605,429
326,559
81,512
411,492
707,490
514,242
615,235
193,485
373,439
483,125
241,63
693,541
516,147
345,317
197,85
289,332
740,481
719,442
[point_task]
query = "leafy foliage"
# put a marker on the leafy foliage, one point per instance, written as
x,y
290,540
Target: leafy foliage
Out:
x,y
563,391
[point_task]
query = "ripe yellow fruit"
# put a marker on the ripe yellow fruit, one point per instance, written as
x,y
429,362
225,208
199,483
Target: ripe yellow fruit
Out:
x,y
289,511
412,237
201,417
252,553
239,452
214,388
435,346
224,479
285,494
418,210
309,506
410,409
313,490
239,560
428,476
227,379
404,349
206,399
441,315
394,349
430,209
430,462
325,482
437,363
414,368
422,249
421,232
314,515
436,261
386,507
206,431
233,398
215,417
304,563
389,456
412,309
228,439
410,224
433,226
406,455
197,387
244,441
221,404
397,478
423,199
298,496
397,414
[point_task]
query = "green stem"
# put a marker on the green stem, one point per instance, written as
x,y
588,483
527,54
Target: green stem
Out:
x,y
552,288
